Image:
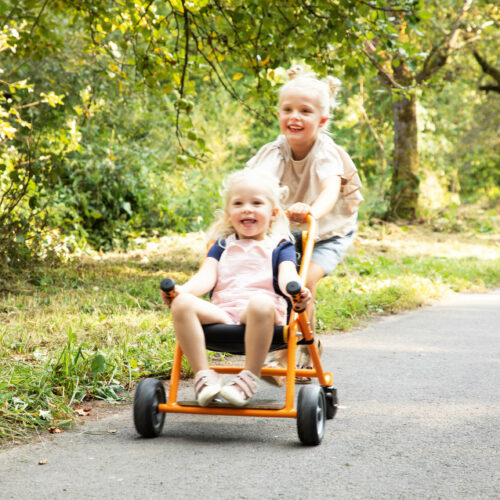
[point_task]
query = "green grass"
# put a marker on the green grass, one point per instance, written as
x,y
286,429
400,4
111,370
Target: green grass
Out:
x,y
93,327
364,287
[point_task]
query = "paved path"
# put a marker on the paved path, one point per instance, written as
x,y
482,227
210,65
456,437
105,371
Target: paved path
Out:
x,y
420,418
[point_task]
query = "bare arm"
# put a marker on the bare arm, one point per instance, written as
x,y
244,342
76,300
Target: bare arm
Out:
x,y
330,190
287,272
202,282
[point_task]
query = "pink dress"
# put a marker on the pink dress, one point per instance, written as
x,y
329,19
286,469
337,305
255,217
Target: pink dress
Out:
x,y
245,268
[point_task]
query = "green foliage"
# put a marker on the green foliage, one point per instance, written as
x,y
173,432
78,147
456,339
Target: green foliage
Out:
x,y
127,115
106,190
39,392
174,44
35,136
127,181
82,372
27,399
459,147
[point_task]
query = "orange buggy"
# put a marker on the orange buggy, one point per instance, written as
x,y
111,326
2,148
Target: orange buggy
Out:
x,y
315,402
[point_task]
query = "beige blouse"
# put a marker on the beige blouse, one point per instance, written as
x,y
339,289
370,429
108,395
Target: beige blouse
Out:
x,y
304,177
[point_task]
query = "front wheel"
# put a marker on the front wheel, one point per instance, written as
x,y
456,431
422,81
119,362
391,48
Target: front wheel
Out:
x,y
147,419
311,414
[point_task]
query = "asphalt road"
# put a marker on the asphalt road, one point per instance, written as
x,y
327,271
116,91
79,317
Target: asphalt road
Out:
x,y
419,418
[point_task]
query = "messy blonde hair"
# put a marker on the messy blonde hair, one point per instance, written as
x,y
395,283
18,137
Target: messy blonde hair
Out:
x,y
279,227
325,89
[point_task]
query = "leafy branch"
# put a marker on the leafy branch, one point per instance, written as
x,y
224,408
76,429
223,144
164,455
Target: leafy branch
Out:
x,y
488,69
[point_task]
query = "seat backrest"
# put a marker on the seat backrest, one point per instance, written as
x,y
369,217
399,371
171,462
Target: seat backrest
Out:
x,y
299,238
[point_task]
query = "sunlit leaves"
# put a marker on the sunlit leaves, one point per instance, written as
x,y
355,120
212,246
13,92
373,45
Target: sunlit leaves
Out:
x,y
180,41
425,15
29,147
52,99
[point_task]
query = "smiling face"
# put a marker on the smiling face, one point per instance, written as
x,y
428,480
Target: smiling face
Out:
x,y
300,120
249,209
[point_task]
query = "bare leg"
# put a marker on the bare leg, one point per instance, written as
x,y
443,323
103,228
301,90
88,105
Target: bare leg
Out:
x,y
189,313
259,317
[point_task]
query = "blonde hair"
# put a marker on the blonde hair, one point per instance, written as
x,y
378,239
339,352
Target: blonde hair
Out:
x,y
279,227
326,89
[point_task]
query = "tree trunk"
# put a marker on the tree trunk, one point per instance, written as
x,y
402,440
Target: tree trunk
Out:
x,y
405,179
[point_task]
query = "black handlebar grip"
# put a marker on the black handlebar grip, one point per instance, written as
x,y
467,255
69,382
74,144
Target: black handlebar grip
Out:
x,y
294,288
168,286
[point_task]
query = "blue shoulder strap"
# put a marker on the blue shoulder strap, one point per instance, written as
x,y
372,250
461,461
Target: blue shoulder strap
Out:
x,y
221,243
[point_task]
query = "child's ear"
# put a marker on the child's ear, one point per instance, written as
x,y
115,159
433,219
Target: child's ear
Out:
x,y
324,121
275,212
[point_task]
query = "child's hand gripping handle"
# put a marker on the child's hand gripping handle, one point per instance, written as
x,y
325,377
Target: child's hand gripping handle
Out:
x,y
167,286
293,288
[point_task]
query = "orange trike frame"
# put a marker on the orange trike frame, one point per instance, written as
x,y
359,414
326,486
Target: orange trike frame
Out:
x,y
297,321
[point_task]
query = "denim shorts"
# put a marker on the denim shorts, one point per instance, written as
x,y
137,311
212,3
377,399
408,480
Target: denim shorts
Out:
x,y
328,253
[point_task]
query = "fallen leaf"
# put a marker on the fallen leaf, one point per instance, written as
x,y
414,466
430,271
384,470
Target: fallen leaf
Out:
x,y
83,412
42,462
112,431
55,430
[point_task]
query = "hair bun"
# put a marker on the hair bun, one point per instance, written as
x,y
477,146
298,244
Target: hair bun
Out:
x,y
295,71
333,84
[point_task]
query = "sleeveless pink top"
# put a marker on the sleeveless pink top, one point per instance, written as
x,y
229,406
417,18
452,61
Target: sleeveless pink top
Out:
x,y
245,268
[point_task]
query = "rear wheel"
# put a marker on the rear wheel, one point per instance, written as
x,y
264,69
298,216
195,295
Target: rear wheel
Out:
x,y
311,414
147,419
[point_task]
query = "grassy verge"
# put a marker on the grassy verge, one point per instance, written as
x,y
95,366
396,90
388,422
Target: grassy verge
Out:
x,y
92,328
396,268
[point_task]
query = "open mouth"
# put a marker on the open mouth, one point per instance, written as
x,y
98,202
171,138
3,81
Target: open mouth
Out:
x,y
247,222
295,128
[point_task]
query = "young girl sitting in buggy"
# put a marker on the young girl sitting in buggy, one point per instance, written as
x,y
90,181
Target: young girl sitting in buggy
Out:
x,y
251,234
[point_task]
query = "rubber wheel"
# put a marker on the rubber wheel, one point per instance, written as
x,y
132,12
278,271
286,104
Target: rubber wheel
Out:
x,y
147,419
331,401
311,414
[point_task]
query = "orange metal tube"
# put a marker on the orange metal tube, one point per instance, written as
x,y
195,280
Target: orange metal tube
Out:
x,y
303,372
291,356
302,318
306,257
211,410
175,374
